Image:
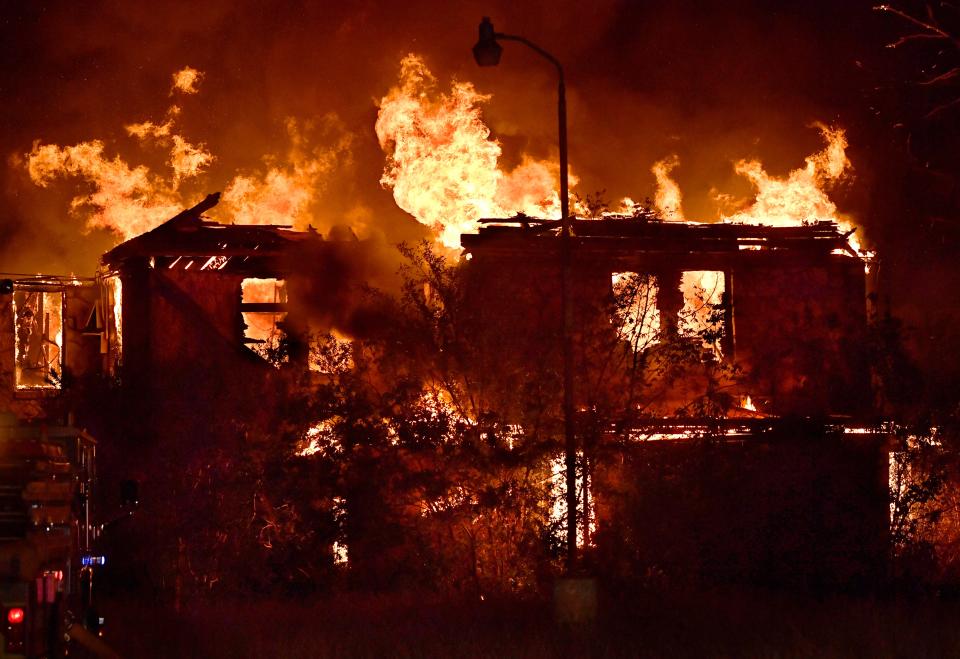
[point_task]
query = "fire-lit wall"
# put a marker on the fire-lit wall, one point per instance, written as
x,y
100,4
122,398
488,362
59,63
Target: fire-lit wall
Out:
x,y
183,343
800,332
801,505
795,325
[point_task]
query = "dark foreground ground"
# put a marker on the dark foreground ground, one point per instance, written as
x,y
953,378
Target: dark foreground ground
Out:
x,y
651,624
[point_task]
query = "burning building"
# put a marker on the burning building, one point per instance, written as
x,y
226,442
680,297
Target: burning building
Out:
x,y
745,335
203,297
787,303
723,393
755,459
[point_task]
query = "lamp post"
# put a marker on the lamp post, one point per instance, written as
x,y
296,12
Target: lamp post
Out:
x,y
487,52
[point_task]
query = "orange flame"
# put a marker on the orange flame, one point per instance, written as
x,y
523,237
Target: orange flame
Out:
x,y
186,160
702,293
131,199
284,193
667,197
186,80
442,163
800,196
125,200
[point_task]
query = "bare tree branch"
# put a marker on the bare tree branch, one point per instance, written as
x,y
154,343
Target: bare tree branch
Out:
x,y
930,25
912,37
943,77
932,28
940,108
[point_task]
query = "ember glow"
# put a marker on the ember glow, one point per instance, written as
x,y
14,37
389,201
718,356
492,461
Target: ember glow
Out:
x,y
321,438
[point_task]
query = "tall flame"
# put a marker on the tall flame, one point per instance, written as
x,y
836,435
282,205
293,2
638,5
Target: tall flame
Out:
x,y
442,163
442,166
667,197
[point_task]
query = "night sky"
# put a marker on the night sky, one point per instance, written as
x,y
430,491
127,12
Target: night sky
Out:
x,y
710,81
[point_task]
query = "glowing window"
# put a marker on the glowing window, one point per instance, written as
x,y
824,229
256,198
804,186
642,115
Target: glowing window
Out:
x,y
38,326
114,306
635,308
263,307
702,312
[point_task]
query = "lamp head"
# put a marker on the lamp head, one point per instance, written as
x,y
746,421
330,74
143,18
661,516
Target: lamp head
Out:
x,y
487,51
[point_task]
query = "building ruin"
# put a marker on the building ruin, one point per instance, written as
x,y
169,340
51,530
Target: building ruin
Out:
x,y
795,450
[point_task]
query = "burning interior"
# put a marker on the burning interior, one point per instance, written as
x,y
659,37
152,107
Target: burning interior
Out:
x,y
38,313
785,303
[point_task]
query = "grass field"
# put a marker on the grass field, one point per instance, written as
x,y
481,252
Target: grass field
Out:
x,y
651,624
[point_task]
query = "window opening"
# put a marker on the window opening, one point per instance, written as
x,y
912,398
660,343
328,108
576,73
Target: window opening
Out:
x,y
263,307
38,326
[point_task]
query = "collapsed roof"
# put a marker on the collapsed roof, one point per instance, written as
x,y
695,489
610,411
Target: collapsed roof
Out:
x,y
190,233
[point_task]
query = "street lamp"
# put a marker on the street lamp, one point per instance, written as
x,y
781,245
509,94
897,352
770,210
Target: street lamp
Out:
x,y
487,52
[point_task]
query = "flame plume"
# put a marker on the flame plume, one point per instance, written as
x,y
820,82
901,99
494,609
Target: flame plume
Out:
x,y
125,200
667,197
442,163
800,196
